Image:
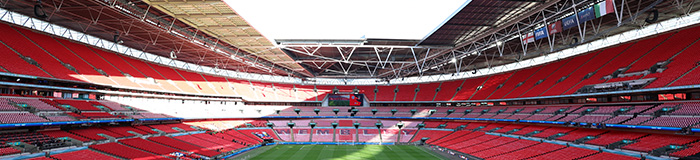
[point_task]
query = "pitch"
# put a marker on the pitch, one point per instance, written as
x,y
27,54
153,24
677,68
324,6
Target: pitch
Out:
x,y
344,152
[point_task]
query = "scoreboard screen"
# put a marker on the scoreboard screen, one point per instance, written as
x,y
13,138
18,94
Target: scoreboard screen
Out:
x,y
345,99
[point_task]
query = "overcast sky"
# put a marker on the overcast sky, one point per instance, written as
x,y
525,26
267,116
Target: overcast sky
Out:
x,y
349,19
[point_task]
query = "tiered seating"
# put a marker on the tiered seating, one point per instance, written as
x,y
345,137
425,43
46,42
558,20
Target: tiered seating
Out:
x,y
40,140
489,144
183,146
615,136
94,133
474,139
432,124
181,126
427,91
6,106
407,134
83,154
368,135
625,55
148,146
529,152
542,74
36,103
449,137
60,118
568,153
386,93
284,134
164,128
26,47
618,119
499,150
690,108
447,90
78,104
60,134
592,64
226,144
241,136
143,115
510,128
8,151
552,131
580,133
41,158
114,106
302,134
521,75
124,151
345,135
206,144
253,132
592,118
98,115
655,141
15,64
562,71
431,134
691,149
529,129
124,130
22,117
322,135
490,85
637,120
606,155
456,137
673,121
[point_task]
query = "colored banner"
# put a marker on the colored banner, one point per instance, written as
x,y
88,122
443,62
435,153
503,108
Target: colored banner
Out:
x,y
541,33
586,15
554,28
603,8
569,22
528,38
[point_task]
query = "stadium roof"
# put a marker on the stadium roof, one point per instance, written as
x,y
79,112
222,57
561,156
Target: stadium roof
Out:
x,y
476,17
210,33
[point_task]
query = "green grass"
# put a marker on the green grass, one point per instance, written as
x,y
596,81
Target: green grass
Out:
x,y
342,152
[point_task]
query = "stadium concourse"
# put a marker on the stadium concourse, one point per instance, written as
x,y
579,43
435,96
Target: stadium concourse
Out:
x,y
192,79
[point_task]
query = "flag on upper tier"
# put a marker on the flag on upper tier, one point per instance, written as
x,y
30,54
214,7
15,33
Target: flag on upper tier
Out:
x,y
586,15
554,27
569,22
604,8
541,33
528,38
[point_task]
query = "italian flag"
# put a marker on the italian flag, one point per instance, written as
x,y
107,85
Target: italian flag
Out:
x,y
604,8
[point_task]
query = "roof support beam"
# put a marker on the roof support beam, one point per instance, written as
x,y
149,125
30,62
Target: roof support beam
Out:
x,y
190,2
224,27
213,15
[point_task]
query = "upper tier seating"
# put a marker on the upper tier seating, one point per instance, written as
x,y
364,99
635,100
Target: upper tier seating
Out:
x,y
655,141
568,153
183,146
606,155
432,135
125,152
83,154
148,146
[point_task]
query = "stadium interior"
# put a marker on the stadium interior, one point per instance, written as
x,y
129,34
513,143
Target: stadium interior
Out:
x,y
498,79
